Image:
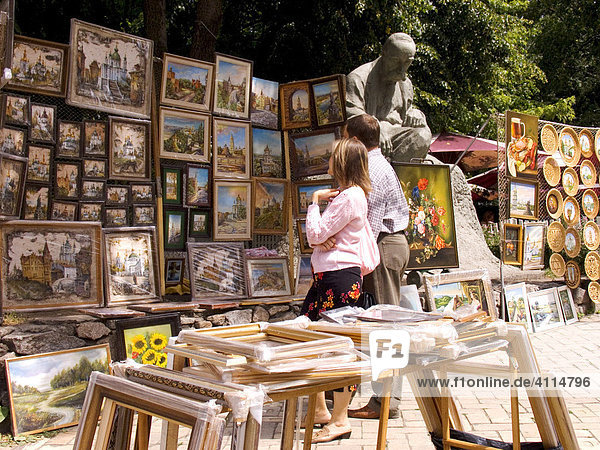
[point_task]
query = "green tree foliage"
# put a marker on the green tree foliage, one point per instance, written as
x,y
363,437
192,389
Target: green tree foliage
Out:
x,y
78,373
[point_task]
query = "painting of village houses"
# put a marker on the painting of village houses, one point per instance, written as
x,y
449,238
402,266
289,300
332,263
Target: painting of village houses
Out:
x,y
12,141
232,87
267,158
43,123
309,152
111,71
39,66
187,82
231,149
47,265
184,135
269,205
12,180
329,104
198,186
264,103
36,202
129,153
232,218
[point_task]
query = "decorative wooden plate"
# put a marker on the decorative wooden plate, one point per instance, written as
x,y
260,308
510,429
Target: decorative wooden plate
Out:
x,y
572,275
549,138
591,235
551,171
587,173
570,149
570,181
589,203
556,236
597,145
557,264
571,211
594,291
554,203
586,142
592,265
572,242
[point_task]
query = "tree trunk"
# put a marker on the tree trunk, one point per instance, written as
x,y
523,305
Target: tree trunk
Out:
x,y
155,20
209,14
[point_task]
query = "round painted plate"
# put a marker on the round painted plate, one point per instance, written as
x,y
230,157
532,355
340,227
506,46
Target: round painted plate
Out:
x,y
554,203
572,275
586,141
597,145
549,138
555,234
589,203
557,264
569,147
592,265
571,211
594,291
552,171
570,181
572,242
587,173
591,235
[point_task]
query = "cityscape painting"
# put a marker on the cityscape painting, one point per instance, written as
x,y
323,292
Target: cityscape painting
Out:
x,y
268,277
270,206
233,78
267,152
129,149
310,151
231,210
184,136
264,103
35,204
12,183
231,149
198,186
329,103
12,141
186,82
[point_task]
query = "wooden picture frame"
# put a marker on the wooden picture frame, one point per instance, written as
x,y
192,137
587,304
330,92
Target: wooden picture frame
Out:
x,y
468,286
296,111
7,32
216,270
267,277
545,309
199,222
95,142
302,195
69,139
43,123
174,271
93,168
303,240
36,202
12,141
567,305
198,185
116,217
130,56
264,103
228,162
91,211
523,199
521,134
269,206
328,100
131,277
143,339
175,229
64,211
36,56
67,180
24,242
232,76
267,154
304,276
309,151
16,110
143,215
40,163
517,304
93,190
129,149
184,135
51,373
143,192
118,195
534,244
171,184
231,215
186,83
512,244
13,173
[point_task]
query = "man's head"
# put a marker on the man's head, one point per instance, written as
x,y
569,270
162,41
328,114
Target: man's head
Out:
x,y
398,54
365,128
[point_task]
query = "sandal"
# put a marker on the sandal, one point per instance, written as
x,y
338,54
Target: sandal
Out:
x,y
319,424
331,433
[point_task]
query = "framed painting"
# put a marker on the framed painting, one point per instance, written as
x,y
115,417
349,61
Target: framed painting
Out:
x,y
174,271
268,277
171,180
186,82
175,227
68,144
512,248
233,79
12,141
40,158
447,292
93,190
13,172
521,144
117,195
94,138
231,148
270,206
67,181
523,201
131,265
144,215
517,305
16,110
184,135
430,233
267,153
39,66
110,71
304,277
36,203
310,151
329,104
7,31
142,192
303,240
64,211
43,123
199,223
534,243
198,186
545,309
46,391
116,217
144,339
48,265
232,218
264,103
94,168
567,305
217,270
129,155
303,192
295,105
91,211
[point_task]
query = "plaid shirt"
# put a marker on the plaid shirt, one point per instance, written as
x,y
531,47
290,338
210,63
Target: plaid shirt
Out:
x,y
388,210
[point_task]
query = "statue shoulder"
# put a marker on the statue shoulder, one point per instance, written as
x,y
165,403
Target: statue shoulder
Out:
x,y
361,73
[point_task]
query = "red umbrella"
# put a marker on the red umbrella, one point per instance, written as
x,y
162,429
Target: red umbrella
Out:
x,y
483,153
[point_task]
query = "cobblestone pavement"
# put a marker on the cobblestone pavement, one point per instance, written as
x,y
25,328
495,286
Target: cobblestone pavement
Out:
x,y
570,348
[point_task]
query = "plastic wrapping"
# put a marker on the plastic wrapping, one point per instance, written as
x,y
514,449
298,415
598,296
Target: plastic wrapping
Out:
x,y
214,436
248,401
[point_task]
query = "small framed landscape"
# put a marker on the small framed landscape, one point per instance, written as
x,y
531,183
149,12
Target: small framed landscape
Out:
x,y
94,138
16,110
144,215
303,192
36,202
198,186
267,153
328,101
12,185
545,309
199,223
304,278
68,144
233,81
517,305
264,103
186,83
184,135
129,149
232,215
174,271
270,206
117,195
175,228
94,168
116,217
513,244
67,181
171,180
93,190
268,277
43,123
142,192
12,141
566,302
91,211
231,149
64,211
534,234
295,105
310,151
523,199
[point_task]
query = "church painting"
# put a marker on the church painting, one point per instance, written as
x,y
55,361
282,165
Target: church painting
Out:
x,y
35,205
94,138
232,216
198,186
110,71
39,163
16,110
175,224
267,160
46,265
186,82
310,151
69,139
66,181
12,182
269,206
39,66
129,149
116,217
264,103
233,78
43,123
12,141
231,149
295,105
184,136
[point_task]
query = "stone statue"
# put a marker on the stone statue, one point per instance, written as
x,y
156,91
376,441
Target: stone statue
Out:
x,y
382,89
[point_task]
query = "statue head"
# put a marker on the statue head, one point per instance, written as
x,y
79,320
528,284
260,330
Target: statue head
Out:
x,y
398,54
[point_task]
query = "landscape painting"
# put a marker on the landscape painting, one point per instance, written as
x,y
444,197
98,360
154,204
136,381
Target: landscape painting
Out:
x,y
47,390
144,215
231,210
517,305
523,199
303,195
43,123
184,136
546,312
12,184
94,138
174,271
270,206
16,110
117,195
68,144
233,77
115,217
38,168
12,141
46,265
142,193
35,206
91,212
330,106
67,181
231,149
264,103
267,153
304,278
92,190
199,223
451,296
175,225
94,168
186,82
144,339
129,149
111,71
310,151
295,105
64,211
198,186
268,277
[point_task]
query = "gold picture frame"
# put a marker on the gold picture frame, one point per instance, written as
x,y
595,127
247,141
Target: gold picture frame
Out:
x,y
512,244
182,83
